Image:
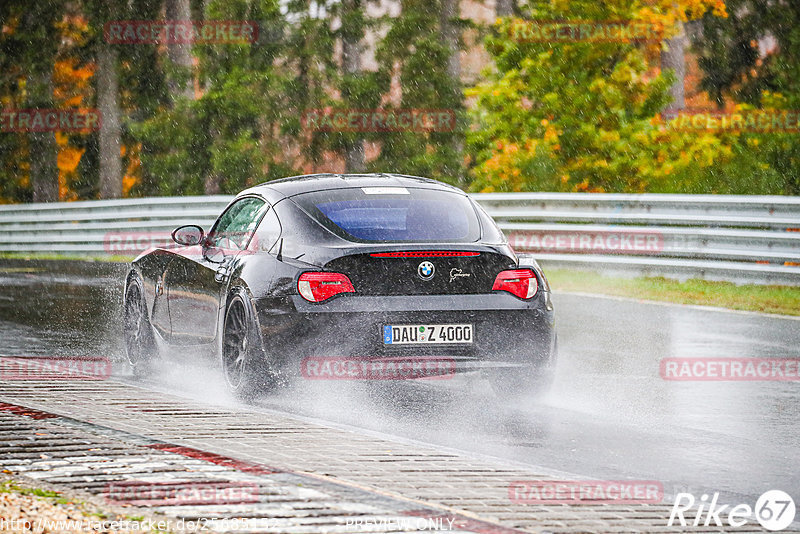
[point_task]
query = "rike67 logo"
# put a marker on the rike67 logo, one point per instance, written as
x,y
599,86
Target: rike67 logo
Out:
x,y
774,511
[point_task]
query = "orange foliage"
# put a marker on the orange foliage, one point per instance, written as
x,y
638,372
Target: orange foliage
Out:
x,y
72,86
72,83
133,171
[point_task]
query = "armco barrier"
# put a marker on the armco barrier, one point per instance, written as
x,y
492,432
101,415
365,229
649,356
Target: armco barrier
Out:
x,y
725,237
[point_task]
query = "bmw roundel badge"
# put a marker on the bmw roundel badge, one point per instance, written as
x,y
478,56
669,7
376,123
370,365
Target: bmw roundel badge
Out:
x,y
426,270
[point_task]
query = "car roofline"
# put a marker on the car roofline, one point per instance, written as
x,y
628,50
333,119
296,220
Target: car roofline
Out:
x,y
272,190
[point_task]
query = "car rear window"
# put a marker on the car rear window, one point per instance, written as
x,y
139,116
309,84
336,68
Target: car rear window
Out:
x,y
387,214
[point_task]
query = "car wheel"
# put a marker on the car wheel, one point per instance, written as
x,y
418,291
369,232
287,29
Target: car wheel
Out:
x,y
139,343
243,361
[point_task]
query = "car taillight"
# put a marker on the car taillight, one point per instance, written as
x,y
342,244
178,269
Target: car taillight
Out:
x,y
316,287
519,282
425,254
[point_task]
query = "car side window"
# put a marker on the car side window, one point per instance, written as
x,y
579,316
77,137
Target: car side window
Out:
x,y
237,224
268,232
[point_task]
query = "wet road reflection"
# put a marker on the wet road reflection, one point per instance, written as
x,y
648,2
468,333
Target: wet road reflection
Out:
x,y
609,415
60,309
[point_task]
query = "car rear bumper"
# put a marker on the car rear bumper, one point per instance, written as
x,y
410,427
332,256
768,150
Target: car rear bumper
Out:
x,y
507,331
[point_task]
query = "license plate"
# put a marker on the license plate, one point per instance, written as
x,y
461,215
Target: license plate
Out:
x,y
427,334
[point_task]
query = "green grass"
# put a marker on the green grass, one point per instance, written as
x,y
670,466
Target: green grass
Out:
x,y
10,487
783,300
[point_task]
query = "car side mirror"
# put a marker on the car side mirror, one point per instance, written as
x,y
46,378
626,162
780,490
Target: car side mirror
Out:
x,y
188,235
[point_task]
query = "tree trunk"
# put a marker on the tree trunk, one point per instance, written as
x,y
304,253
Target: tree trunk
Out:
x,y
43,148
354,160
180,54
672,58
110,126
44,166
450,37
450,12
212,184
42,145
354,157
504,8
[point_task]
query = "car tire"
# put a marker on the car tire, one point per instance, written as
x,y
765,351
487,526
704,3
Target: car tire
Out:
x,y
243,358
140,347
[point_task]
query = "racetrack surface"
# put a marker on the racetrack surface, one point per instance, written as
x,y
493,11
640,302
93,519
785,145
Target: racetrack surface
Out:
x,y
610,415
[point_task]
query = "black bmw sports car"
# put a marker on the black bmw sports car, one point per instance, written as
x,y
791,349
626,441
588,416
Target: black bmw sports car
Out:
x,y
370,267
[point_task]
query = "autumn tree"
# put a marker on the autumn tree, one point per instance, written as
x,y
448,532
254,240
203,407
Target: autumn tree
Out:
x,y
30,42
752,58
582,115
420,54
228,138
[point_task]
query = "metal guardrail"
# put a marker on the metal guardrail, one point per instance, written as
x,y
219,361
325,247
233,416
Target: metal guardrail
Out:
x,y
739,238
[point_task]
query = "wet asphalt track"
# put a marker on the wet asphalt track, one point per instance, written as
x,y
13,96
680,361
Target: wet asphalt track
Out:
x,y
609,415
